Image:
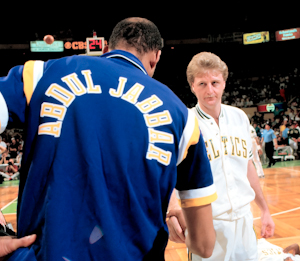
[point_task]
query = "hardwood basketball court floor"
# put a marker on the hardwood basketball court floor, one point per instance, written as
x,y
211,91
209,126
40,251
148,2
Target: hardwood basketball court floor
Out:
x,y
281,187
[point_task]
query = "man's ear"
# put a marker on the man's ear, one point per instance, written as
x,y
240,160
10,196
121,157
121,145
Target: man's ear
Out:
x,y
105,49
155,59
192,88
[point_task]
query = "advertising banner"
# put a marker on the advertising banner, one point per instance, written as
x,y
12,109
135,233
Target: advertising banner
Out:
x,y
254,38
288,34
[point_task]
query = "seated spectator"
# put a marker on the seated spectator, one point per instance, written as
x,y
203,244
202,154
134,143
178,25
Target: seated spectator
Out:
x,y
284,133
13,148
283,146
294,105
294,133
297,125
291,114
276,112
283,125
297,115
11,170
248,103
273,100
239,103
257,129
2,149
276,124
19,157
294,137
282,141
234,103
255,117
263,91
2,146
4,159
2,143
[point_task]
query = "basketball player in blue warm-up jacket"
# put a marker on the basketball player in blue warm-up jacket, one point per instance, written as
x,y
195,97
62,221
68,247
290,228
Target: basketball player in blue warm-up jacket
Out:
x,y
103,141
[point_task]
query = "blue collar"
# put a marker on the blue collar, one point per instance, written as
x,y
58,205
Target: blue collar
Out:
x,y
126,56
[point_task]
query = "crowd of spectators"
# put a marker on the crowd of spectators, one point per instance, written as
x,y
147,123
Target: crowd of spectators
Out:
x,y
277,88
286,126
11,151
248,92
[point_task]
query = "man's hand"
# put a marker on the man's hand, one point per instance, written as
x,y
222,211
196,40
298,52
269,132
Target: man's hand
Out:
x,y
10,244
267,225
176,225
293,249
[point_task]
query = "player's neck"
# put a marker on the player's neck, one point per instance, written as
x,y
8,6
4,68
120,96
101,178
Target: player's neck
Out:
x,y
214,112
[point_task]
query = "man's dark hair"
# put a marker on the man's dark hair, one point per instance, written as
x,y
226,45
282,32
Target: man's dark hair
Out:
x,y
139,33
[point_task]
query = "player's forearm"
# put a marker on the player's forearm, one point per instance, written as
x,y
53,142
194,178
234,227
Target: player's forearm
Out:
x,y
201,235
254,182
173,203
261,202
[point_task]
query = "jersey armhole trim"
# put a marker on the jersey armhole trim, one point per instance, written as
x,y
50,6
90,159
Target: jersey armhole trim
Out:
x,y
197,197
187,203
190,136
32,73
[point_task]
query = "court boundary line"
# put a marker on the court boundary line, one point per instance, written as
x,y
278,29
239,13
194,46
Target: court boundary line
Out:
x,y
280,213
7,205
286,211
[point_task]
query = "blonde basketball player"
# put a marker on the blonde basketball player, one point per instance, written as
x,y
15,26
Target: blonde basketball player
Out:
x,y
226,132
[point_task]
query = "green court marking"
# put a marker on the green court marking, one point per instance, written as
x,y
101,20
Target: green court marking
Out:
x,y
10,183
288,163
11,208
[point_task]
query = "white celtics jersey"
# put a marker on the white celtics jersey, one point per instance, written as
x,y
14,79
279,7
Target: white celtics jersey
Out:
x,y
270,252
229,150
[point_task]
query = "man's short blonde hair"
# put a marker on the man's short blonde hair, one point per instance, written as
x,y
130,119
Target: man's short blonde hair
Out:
x,y
204,61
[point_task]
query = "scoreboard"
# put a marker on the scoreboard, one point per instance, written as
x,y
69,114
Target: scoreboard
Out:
x,y
94,46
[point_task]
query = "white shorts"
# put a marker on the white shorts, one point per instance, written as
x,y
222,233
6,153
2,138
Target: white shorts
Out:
x,y
235,241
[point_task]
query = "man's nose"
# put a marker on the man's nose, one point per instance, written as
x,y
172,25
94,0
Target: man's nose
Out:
x,y
209,88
